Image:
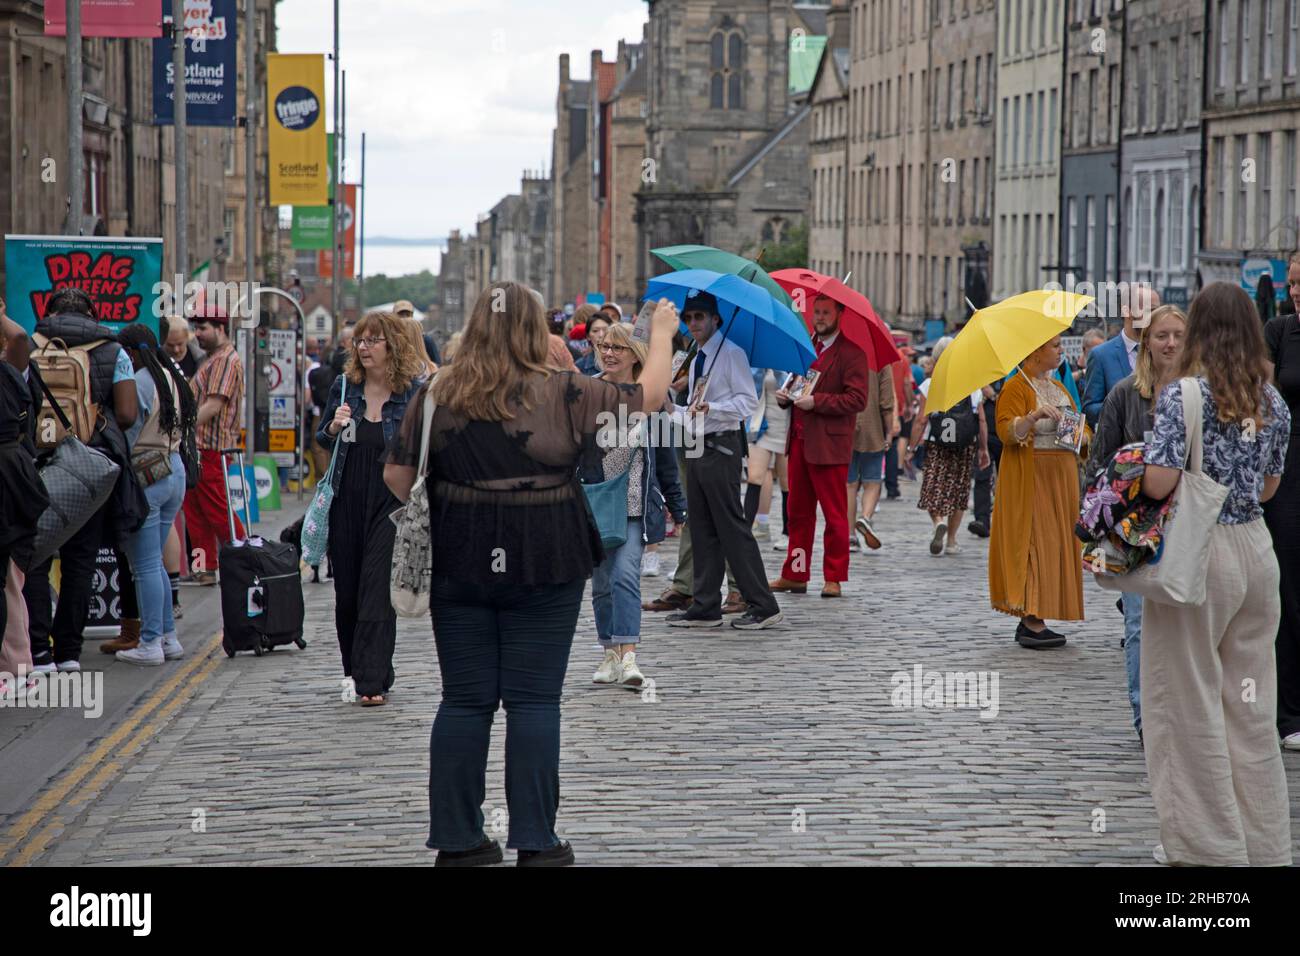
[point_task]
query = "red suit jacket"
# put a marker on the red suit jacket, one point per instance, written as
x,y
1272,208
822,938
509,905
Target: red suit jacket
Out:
x,y
838,396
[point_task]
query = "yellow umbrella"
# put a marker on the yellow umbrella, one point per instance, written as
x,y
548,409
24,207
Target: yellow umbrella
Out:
x,y
997,339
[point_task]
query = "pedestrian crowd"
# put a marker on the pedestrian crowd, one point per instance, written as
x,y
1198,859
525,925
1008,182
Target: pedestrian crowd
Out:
x,y
505,435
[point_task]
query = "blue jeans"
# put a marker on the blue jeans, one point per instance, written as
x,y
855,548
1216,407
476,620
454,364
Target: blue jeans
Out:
x,y
508,643
616,591
1132,653
144,549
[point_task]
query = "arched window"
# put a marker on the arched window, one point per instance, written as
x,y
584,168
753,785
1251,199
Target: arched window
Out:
x,y
726,67
773,229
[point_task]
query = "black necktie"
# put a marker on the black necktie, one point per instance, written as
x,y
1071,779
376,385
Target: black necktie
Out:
x,y
699,365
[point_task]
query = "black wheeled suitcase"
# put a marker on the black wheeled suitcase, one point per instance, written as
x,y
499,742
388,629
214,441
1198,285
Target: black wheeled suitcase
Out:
x,y
261,589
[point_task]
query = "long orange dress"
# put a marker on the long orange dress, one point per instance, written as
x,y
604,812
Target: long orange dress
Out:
x,y
1035,564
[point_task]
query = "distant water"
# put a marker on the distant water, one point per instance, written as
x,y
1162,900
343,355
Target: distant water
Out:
x,y
400,260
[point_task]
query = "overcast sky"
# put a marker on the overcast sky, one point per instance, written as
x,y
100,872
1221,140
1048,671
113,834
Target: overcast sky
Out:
x,y
456,97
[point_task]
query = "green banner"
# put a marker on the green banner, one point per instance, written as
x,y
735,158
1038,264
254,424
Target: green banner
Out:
x,y
313,225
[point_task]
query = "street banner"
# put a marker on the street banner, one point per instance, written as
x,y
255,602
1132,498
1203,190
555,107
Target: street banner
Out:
x,y
210,67
1253,269
348,223
119,275
1072,348
313,225
295,100
107,18
104,617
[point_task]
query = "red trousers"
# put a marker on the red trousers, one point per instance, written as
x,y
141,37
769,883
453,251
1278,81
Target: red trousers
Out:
x,y
205,513
810,486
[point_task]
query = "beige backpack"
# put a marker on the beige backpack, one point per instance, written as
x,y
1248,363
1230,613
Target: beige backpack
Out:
x,y
66,372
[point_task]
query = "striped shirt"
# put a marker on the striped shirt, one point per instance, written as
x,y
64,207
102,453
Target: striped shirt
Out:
x,y
222,374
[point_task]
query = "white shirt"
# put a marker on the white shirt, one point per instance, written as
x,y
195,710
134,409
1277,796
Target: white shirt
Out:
x,y
1131,349
730,393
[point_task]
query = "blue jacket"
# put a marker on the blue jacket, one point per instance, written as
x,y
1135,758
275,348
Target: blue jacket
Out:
x,y
1107,367
354,395
663,487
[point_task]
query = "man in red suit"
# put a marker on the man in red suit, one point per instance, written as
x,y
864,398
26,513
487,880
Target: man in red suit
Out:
x,y
820,445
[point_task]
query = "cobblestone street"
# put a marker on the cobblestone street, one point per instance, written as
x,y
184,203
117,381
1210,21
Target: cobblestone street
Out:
x,y
779,746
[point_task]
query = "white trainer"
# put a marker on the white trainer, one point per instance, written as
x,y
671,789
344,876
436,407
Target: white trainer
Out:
x,y
66,666
1159,854
782,543
146,654
632,676
610,670
43,668
172,650
650,564
1291,742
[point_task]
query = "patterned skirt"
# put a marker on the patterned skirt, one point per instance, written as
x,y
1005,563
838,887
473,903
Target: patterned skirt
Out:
x,y
947,482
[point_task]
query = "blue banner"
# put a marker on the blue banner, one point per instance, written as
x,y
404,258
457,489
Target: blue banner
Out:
x,y
210,77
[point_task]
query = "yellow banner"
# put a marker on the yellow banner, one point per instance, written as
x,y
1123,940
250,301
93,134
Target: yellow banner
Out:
x,y
295,111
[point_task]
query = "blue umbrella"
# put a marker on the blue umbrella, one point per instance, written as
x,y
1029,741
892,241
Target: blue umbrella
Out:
x,y
771,335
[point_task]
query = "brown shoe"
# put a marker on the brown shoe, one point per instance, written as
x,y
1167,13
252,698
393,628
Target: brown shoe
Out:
x,y
734,604
793,587
128,640
831,589
670,600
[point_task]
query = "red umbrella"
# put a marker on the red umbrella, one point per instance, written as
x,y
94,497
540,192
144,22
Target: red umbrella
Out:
x,y
859,321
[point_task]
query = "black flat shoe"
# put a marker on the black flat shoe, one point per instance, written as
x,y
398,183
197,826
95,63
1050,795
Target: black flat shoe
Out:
x,y
485,854
1044,639
559,855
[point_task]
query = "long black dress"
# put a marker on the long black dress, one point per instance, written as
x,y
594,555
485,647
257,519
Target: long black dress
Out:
x,y
1282,514
22,494
361,548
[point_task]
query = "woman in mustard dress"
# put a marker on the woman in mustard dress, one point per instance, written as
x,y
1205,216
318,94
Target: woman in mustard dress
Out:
x,y
1035,570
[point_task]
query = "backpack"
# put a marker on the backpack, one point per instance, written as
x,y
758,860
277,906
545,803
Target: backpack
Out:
x,y
958,427
66,373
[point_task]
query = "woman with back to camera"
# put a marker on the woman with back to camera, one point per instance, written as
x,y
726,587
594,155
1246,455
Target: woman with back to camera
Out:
x,y
369,400
167,411
513,545
1216,771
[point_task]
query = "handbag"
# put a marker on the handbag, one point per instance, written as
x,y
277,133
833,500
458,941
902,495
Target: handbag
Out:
x,y
1178,577
315,536
412,579
608,503
151,467
78,480
958,427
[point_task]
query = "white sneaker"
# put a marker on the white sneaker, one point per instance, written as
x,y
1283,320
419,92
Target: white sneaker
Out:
x,y
952,548
650,564
855,545
761,530
782,543
66,666
1160,855
610,670
146,653
172,650
632,676
1291,742
43,669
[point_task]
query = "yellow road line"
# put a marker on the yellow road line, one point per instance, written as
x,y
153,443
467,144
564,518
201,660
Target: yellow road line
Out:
x,y
53,798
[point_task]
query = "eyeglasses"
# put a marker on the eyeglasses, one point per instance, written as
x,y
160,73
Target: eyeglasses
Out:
x,y
612,348
369,342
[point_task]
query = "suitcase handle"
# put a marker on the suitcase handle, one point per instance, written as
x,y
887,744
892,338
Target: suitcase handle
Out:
x,y
243,477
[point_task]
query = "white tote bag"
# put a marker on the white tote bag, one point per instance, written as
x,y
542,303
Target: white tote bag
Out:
x,y
412,576
1179,576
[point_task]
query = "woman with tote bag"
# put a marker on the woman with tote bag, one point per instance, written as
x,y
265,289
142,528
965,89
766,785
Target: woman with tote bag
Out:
x,y
1209,684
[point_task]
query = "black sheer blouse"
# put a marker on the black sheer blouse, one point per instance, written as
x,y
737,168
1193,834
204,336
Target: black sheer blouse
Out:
x,y
504,498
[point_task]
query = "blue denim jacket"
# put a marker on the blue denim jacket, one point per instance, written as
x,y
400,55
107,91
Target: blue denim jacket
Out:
x,y
345,392
662,487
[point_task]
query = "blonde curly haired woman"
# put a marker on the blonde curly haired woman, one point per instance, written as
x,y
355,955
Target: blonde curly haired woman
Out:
x,y
368,401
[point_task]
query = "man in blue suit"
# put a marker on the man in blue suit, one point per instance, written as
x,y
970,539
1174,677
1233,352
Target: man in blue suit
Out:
x,y
1113,361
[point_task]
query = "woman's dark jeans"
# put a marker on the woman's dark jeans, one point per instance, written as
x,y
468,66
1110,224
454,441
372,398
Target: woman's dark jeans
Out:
x,y
499,643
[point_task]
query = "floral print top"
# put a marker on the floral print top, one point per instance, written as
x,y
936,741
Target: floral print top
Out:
x,y
1237,457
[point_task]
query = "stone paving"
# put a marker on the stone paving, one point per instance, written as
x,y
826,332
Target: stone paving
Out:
x,y
774,747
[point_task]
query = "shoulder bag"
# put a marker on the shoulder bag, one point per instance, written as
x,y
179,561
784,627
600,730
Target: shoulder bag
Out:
x,y
1178,577
412,578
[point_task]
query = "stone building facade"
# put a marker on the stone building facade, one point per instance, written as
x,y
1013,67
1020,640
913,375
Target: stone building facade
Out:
x,y
1090,167
1252,116
571,206
726,140
1030,58
623,118
829,148
1161,150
